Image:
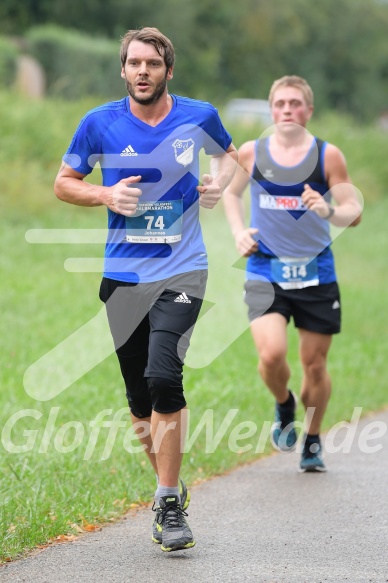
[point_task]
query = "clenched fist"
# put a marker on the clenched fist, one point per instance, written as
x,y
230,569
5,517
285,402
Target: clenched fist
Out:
x,y
124,197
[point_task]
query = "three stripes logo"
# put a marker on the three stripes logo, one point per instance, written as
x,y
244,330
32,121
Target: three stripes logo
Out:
x,y
128,151
183,299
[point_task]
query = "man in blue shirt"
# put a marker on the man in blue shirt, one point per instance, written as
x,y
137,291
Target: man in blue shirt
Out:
x,y
155,266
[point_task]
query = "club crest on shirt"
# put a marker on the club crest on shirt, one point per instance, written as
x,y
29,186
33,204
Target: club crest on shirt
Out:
x,y
184,151
268,173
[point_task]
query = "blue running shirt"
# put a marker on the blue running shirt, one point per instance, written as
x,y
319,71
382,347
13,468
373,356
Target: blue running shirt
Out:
x,y
165,237
287,230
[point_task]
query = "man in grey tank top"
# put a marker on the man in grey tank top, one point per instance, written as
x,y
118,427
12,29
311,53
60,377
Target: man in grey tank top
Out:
x,y
293,178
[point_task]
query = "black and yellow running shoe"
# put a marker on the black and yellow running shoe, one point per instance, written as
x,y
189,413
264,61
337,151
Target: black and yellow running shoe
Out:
x,y
176,533
184,494
185,501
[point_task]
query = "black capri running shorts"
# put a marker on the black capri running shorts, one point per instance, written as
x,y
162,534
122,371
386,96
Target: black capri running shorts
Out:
x,y
151,326
315,308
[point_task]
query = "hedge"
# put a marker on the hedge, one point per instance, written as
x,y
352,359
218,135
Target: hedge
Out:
x,y
76,64
8,62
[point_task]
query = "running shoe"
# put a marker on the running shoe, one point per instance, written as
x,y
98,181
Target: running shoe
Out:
x,y
283,434
172,525
185,501
184,494
311,460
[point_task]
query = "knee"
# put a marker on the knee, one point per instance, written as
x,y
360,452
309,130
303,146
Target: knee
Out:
x,y
271,359
166,395
315,370
139,402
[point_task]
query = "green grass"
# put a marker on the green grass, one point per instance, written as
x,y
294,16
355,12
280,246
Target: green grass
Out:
x,y
45,492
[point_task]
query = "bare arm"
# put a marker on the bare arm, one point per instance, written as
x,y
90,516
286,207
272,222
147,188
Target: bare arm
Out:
x,y
348,209
234,204
222,169
121,198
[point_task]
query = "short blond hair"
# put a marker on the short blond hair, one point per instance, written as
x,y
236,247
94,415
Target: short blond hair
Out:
x,y
293,81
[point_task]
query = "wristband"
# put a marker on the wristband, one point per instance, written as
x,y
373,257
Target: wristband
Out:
x,y
331,212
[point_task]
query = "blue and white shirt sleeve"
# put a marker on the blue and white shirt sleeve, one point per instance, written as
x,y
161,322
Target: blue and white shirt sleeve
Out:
x,y
218,139
85,143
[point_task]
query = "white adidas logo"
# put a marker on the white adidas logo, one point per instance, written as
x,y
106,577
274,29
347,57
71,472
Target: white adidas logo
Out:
x,y
183,299
128,151
336,305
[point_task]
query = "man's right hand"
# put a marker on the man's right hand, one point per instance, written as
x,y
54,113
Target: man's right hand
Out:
x,y
245,243
123,197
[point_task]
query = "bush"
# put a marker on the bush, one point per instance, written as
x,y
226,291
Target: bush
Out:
x,y
8,62
75,64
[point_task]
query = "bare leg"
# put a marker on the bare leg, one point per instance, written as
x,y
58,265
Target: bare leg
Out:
x,y
168,432
270,336
316,383
144,435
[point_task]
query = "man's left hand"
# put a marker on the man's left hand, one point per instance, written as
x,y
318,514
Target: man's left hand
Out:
x,y
315,202
209,192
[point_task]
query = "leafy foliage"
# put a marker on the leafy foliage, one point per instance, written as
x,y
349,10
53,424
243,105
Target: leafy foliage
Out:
x,y
8,58
230,49
76,64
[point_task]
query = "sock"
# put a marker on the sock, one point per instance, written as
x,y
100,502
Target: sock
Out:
x,y
166,491
312,438
290,401
312,442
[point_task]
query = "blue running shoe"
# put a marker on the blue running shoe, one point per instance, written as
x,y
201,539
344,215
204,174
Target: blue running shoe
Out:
x,y
185,501
283,434
311,460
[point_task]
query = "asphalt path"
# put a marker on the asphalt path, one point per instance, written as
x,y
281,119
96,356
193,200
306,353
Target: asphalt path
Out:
x,y
264,522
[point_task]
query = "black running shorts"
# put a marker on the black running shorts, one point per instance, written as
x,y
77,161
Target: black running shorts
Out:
x,y
151,323
314,308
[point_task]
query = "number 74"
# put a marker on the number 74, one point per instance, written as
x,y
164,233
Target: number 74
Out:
x,y
159,224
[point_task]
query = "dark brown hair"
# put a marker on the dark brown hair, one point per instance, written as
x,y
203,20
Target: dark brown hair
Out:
x,y
153,36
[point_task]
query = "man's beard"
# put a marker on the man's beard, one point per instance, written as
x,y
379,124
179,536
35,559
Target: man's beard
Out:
x,y
156,95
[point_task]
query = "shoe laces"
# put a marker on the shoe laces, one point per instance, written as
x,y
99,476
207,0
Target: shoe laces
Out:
x,y
172,516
